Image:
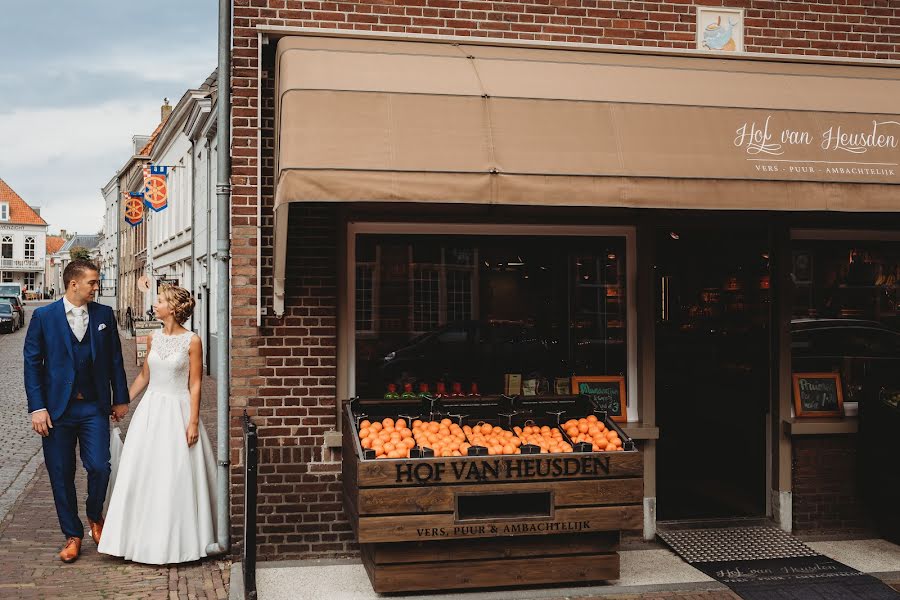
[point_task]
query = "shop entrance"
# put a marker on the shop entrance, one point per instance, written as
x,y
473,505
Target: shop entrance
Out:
x,y
712,372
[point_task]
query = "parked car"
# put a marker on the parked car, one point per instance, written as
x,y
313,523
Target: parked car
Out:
x,y
9,318
12,289
18,305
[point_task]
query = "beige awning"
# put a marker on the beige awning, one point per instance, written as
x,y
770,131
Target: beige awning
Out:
x,y
406,121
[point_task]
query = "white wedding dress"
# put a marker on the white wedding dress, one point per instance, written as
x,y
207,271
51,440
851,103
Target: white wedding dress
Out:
x,y
162,508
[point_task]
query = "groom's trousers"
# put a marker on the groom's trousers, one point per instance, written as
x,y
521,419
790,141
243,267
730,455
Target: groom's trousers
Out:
x,y
85,423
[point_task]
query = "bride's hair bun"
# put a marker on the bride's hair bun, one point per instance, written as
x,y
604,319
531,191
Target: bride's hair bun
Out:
x,y
180,301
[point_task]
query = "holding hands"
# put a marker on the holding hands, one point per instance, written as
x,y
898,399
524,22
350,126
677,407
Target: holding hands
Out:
x,y
118,412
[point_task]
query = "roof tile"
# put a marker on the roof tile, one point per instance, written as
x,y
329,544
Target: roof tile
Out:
x,y
19,211
145,151
54,243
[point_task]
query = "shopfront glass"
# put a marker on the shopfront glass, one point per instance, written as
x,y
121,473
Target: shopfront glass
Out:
x,y
479,314
712,370
845,314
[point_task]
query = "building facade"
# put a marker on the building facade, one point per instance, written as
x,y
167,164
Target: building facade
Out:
x,y
132,244
108,248
397,166
178,235
23,243
200,127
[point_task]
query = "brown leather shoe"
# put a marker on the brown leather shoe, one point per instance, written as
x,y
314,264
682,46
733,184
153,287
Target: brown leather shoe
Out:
x,y
71,551
96,530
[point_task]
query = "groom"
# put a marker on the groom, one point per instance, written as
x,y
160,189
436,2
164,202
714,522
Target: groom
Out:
x,y
75,380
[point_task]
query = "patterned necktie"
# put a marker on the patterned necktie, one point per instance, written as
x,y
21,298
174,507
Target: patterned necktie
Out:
x,y
79,327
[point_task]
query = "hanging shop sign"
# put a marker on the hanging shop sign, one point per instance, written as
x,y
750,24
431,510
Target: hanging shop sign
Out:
x,y
134,208
156,189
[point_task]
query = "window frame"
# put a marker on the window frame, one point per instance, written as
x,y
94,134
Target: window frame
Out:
x,y
8,239
4,212
33,241
346,325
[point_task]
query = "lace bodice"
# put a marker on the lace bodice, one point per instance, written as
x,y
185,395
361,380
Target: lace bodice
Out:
x,y
169,361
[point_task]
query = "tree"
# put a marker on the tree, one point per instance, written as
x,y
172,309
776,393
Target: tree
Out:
x,y
79,253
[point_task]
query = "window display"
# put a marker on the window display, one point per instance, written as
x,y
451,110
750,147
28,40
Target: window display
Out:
x,y
845,318
477,312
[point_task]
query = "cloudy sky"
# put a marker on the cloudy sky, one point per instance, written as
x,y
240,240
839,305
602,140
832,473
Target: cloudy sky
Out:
x,y
78,79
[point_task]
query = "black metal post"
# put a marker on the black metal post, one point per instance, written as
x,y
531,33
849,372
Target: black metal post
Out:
x,y
250,462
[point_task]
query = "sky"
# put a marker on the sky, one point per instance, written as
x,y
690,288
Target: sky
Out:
x,y
78,79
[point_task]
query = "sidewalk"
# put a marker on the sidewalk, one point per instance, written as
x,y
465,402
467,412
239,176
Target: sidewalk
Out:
x,y
30,539
648,572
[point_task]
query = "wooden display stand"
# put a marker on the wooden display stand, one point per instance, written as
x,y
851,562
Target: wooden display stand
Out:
x,y
489,521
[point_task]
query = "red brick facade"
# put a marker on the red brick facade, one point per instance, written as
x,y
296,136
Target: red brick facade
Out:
x,y
284,373
826,485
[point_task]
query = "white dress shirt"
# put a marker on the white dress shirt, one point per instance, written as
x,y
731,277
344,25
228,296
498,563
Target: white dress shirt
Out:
x,y
70,317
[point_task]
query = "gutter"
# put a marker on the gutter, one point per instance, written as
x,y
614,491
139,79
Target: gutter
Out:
x,y
223,236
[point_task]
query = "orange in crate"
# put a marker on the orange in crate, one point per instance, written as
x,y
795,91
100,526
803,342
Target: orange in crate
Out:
x,y
388,438
591,430
496,439
549,439
445,437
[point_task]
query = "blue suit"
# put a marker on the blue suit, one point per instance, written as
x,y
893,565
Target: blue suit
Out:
x,y
77,382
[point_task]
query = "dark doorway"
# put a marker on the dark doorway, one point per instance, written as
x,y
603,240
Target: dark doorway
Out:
x,y
712,372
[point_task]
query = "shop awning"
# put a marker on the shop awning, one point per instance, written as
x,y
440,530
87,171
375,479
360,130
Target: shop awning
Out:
x,y
362,120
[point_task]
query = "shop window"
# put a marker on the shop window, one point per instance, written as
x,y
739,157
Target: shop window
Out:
x,y
30,282
845,313
471,309
425,301
6,247
29,248
365,274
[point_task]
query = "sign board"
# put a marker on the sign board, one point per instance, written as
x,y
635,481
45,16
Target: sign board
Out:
x,y
142,332
818,395
720,29
606,392
164,281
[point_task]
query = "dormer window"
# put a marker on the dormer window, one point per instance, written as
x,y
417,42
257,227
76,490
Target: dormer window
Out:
x,y
4,211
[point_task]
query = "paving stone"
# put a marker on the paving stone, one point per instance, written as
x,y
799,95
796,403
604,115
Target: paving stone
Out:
x,y
29,529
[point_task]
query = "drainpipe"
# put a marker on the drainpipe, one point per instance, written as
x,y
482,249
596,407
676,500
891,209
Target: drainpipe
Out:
x,y
223,216
193,264
117,209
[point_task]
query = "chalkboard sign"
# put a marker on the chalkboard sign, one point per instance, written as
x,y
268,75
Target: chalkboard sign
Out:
x,y
818,395
606,392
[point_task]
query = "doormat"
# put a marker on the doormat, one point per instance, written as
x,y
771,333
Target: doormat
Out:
x,y
765,563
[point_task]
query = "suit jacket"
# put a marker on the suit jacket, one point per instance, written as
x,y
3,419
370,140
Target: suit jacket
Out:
x,y
50,359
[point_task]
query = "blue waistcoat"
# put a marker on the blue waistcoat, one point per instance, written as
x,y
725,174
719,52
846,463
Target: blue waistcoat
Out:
x,y
84,367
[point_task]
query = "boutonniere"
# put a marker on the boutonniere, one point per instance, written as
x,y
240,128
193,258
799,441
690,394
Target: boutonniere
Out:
x,y
101,327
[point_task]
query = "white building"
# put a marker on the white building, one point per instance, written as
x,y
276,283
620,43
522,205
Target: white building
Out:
x,y
108,248
181,237
22,241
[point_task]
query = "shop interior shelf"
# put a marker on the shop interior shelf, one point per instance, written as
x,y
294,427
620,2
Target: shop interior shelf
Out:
x,y
821,426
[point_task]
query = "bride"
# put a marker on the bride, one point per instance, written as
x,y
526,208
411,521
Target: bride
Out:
x,y
162,506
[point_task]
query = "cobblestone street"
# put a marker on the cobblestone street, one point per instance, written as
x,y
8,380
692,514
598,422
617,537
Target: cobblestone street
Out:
x,y
29,529
20,448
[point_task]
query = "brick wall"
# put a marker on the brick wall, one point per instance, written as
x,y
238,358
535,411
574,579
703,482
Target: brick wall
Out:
x,y
826,484
283,373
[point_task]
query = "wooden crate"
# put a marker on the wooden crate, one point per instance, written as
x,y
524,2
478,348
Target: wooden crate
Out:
x,y
488,521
